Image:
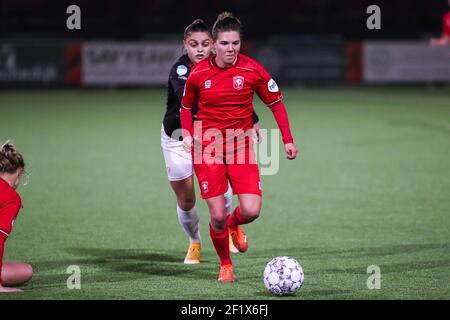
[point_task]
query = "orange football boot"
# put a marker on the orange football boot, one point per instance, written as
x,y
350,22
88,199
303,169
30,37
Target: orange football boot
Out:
x,y
233,249
226,273
193,254
239,238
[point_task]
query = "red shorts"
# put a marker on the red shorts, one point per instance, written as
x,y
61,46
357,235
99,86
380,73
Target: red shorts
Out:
x,y
217,162
213,179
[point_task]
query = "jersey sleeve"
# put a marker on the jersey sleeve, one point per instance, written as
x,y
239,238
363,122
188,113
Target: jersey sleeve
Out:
x,y
8,213
190,93
187,122
2,247
177,80
281,117
266,88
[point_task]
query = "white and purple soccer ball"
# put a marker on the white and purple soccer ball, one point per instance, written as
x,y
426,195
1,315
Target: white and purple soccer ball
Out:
x,y
283,275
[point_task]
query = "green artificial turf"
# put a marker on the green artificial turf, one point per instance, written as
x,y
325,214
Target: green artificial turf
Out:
x,y
371,186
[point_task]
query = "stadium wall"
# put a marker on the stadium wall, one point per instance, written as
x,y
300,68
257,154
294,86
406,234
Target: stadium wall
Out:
x,y
290,60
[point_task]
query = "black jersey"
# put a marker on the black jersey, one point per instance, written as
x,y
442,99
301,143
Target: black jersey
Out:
x,y
175,87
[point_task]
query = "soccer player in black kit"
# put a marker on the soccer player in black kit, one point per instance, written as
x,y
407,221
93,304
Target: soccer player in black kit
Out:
x,y
198,44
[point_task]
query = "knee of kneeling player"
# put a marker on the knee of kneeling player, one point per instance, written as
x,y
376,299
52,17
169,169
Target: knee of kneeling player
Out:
x,y
16,273
28,271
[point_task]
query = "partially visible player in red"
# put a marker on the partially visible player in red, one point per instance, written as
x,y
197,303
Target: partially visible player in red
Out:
x,y
224,85
12,168
444,40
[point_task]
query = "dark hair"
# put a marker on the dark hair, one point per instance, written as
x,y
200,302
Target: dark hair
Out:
x,y
226,22
10,158
197,25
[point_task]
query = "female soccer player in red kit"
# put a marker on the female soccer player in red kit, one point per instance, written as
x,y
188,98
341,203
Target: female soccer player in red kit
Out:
x,y
197,42
223,86
11,170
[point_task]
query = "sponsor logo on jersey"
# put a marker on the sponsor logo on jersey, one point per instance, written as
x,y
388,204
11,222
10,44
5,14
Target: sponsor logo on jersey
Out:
x,y
207,84
238,82
272,86
182,70
205,186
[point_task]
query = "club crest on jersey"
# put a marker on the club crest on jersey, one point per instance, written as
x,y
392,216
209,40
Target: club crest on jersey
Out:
x,y
182,70
205,186
238,82
207,84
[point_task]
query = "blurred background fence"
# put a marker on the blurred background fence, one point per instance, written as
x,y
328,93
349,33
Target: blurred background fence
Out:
x,y
134,43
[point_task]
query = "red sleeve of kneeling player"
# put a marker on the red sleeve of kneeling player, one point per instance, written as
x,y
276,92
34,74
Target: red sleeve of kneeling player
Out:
x,y
2,247
281,117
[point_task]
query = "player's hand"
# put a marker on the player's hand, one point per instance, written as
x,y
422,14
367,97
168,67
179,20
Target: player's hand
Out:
x,y
291,151
256,128
8,289
187,144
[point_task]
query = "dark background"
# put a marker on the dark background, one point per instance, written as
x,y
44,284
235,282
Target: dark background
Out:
x,y
143,19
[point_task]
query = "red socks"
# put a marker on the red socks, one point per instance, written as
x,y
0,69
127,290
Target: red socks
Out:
x,y
220,240
235,219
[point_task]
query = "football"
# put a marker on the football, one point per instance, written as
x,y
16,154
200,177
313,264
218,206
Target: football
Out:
x,y
283,275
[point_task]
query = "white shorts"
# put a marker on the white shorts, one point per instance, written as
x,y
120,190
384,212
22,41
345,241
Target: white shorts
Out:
x,y
178,161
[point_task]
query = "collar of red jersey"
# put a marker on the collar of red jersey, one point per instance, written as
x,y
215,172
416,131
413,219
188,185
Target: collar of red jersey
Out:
x,y
213,61
4,181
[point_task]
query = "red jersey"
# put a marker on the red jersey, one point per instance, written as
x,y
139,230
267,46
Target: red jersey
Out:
x,y
225,95
446,24
10,205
